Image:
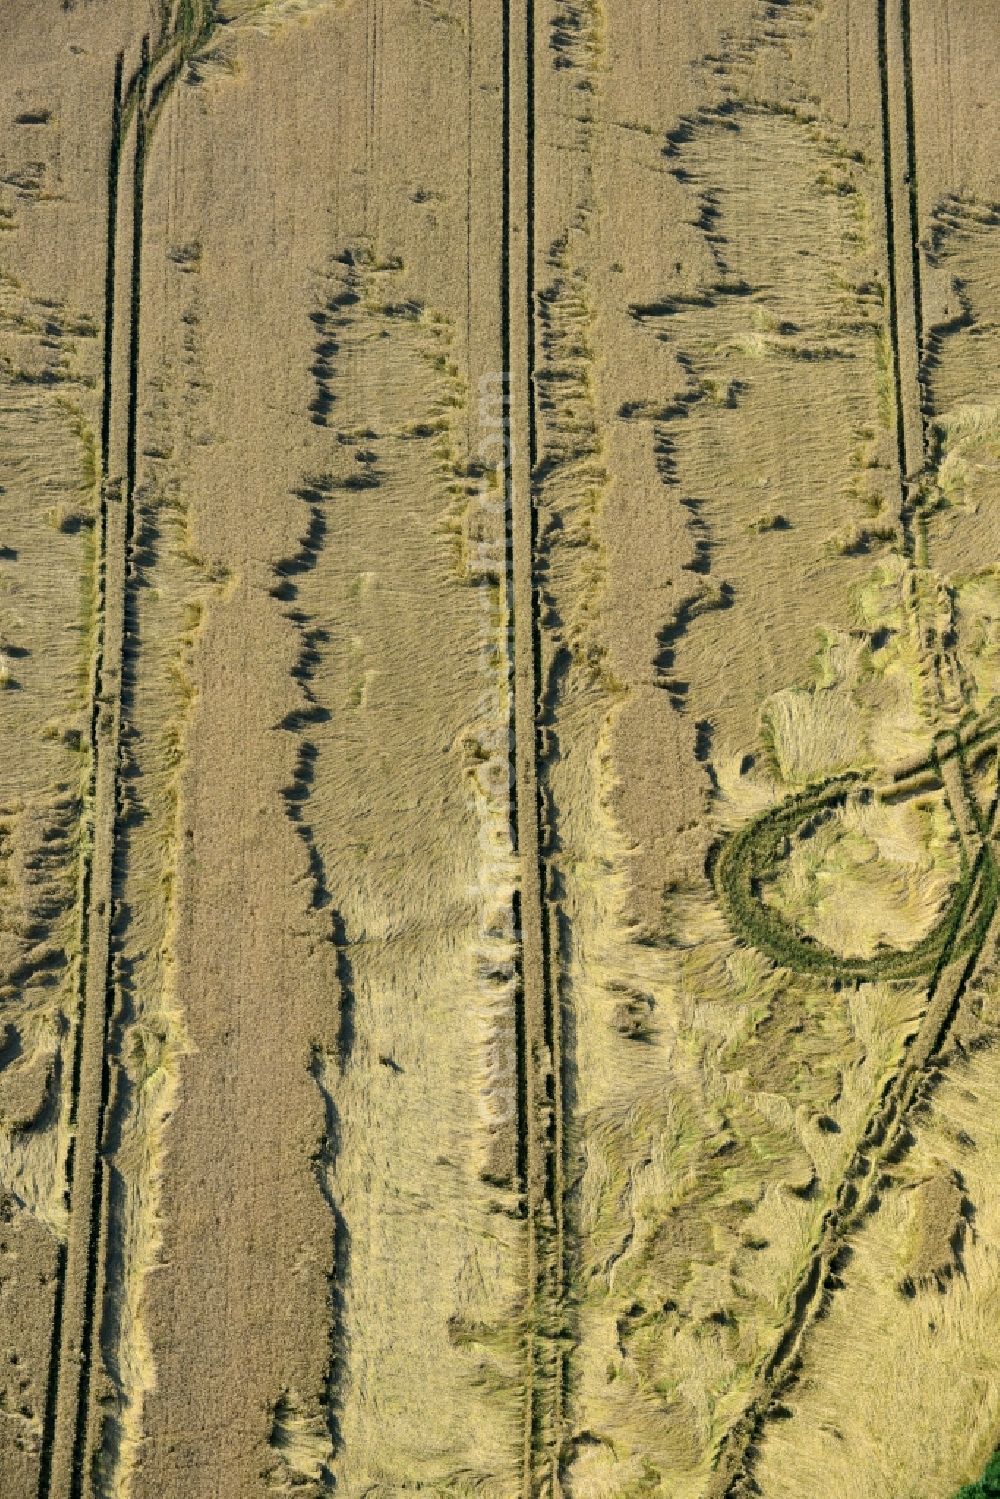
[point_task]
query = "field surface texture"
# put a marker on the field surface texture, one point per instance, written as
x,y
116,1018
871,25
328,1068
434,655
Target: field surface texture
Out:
x,y
499,748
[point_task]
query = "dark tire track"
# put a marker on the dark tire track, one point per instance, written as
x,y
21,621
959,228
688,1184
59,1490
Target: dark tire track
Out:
x,y
65,1464
59,1445
86,876
976,930
890,237
883,1139
537,1021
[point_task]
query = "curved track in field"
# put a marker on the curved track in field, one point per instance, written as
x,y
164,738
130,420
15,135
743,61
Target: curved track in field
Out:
x,y
951,954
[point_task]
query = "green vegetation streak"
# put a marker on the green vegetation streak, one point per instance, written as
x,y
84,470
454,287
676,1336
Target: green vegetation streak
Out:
x,y
987,1487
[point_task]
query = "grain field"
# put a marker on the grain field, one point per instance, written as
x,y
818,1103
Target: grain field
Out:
x,y
499,749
